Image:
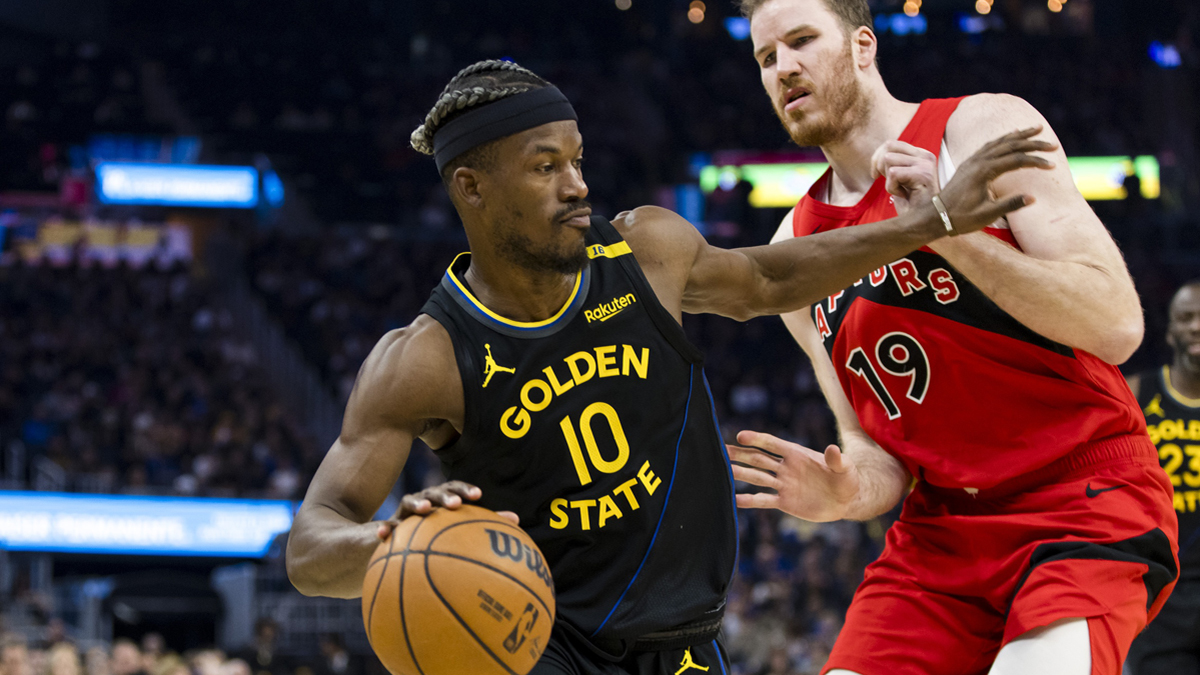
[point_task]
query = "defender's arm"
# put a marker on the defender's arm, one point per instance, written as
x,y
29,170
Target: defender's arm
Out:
x,y
1069,282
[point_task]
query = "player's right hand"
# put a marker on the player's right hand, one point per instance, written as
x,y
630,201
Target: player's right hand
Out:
x,y
448,495
968,196
814,486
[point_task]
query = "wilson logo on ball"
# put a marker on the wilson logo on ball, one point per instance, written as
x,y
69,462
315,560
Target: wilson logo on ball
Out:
x,y
505,545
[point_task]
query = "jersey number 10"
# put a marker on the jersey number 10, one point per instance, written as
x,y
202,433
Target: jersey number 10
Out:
x,y
898,354
589,441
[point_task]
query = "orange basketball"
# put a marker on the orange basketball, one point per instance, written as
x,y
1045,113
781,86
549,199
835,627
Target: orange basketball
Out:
x,y
462,591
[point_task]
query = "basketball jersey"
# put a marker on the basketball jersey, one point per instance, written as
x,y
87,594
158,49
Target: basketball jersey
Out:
x,y
957,389
597,427
1173,421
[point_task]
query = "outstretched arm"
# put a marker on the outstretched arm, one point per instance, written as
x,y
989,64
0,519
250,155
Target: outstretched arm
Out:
x,y
748,282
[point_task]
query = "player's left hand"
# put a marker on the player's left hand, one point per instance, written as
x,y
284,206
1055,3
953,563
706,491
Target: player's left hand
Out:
x,y
815,486
908,171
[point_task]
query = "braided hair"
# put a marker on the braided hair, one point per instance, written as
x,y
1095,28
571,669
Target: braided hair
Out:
x,y
476,85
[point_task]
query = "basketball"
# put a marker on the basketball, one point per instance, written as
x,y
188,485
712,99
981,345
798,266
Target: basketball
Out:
x,y
462,591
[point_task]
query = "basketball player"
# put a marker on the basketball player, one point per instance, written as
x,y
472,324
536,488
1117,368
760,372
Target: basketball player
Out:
x,y
1170,400
551,374
1039,535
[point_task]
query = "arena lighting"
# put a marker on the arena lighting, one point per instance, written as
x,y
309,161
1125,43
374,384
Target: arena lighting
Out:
x,y
782,185
166,526
624,4
972,25
1054,6
912,7
983,6
177,185
738,27
1166,56
695,15
901,24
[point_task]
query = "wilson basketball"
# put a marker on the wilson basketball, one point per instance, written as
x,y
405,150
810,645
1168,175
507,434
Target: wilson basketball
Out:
x,y
462,591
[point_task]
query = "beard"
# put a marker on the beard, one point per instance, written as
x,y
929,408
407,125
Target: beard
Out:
x,y
846,106
519,249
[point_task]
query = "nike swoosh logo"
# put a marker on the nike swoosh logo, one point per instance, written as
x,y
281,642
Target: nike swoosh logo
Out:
x,y
1092,493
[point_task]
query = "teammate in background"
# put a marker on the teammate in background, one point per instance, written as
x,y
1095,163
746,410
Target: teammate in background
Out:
x,y
596,427
1039,535
1170,400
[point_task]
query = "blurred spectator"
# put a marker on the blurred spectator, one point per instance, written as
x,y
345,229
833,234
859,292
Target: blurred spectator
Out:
x,y
63,659
335,660
153,648
126,658
261,656
206,662
235,667
96,661
171,664
14,656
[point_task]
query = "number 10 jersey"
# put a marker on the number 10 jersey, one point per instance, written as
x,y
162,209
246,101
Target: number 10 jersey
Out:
x,y
596,426
941,377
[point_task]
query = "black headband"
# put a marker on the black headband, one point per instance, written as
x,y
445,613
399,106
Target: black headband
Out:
x,y
496,120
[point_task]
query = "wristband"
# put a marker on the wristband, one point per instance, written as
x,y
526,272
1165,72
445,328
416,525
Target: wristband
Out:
x,y
941,209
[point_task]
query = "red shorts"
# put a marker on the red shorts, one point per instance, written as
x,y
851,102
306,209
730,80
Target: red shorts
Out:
x,y
1091,536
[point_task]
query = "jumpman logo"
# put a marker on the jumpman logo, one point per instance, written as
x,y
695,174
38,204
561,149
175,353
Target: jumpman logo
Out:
x,y
490,367
689,663
1155,407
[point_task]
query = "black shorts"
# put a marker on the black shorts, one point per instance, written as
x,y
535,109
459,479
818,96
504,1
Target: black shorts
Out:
x,y
1170,645
565,656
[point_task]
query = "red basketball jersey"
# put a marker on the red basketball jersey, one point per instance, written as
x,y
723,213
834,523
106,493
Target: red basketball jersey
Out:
x,y
942,378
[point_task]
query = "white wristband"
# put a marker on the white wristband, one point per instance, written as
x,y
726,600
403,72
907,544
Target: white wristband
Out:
x,y
941,209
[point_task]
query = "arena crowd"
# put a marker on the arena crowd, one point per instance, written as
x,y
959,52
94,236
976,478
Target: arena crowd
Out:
x,y
135,380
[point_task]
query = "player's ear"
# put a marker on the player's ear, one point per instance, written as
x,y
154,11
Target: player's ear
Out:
x,y
464,184
864,45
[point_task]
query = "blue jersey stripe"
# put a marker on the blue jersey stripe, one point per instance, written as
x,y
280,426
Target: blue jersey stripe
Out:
x,y
686,409
737,539
717,648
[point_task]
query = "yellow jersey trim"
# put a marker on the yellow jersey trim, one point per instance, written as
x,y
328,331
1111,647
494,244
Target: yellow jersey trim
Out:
x,y
1174,393
462,288
611,251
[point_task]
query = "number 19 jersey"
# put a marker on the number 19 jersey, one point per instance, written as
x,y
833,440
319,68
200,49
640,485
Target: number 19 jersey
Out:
x,y
941,377
597,428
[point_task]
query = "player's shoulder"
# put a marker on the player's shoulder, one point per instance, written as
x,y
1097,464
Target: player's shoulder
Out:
x,y
983,117
658,236
648,225
409,364
1005,109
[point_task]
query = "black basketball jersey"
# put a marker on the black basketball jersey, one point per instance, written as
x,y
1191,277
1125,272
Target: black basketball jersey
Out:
x,y
597,427
1173,421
